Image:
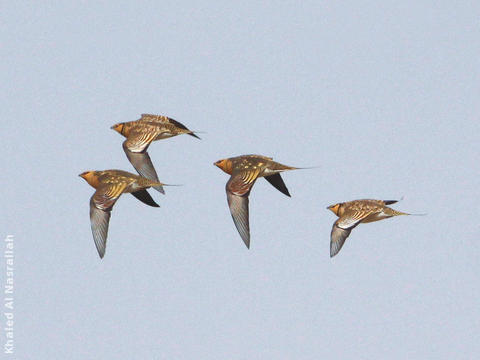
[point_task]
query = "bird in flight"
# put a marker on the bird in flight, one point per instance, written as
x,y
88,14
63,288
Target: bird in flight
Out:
x,y
109,185
244,171
352,213
140,134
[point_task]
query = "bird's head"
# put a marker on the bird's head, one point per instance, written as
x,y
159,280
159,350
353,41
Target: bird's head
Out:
x,y
336,209
225,165
121,128
91,177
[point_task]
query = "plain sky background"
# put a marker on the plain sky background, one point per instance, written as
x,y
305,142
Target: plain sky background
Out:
x,y
383,96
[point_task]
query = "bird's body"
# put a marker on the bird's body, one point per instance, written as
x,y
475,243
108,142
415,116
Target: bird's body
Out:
x,y
109,185
244,171
129,182
352,213
141,133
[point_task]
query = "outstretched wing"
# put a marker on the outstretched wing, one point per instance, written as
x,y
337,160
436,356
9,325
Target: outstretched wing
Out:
x,y
145,197
143,164
181,126
277,181
101,204
337,239
343,226
166,120
139,138
238,188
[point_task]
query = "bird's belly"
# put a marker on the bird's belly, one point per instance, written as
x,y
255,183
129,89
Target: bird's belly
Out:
x,y
164,135
132,188
375,217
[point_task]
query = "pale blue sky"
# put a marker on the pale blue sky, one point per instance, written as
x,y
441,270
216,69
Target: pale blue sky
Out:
x,y
383,96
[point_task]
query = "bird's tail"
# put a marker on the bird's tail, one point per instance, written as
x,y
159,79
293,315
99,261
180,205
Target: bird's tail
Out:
x,y
397,213
157,185
281,167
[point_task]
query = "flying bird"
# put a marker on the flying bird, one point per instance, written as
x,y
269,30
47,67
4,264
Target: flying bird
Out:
x,y
140,134
244,171
352,213
109,185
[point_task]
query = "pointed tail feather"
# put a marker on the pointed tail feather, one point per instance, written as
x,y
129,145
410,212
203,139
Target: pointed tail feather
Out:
x,y
397,213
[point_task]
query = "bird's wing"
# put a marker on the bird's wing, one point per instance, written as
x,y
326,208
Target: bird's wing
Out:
x,y
152,117
337,239
277,181
166,120
162,119
343,226
181,126
143,164
101,204
140,138
238,188
352,217
145,197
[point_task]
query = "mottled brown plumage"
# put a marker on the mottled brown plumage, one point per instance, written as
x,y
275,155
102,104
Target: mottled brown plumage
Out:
x,y
244,171
109,185
352,213
141,133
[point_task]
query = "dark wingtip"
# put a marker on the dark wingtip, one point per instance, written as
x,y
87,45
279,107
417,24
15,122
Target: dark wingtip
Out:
x,y
277,182
333,251
246,241
194,135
